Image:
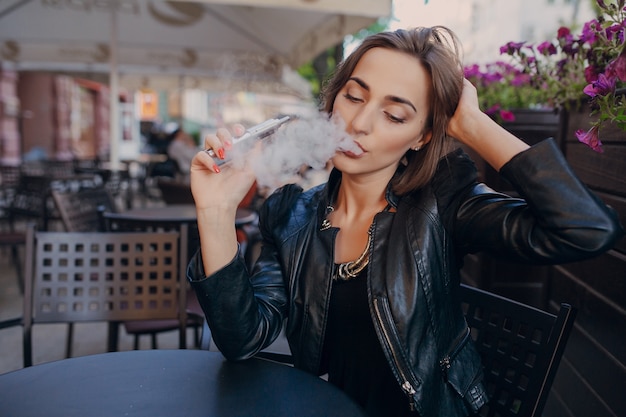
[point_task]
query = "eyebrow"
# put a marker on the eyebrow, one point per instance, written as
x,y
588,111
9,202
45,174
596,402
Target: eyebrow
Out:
x,y
395,99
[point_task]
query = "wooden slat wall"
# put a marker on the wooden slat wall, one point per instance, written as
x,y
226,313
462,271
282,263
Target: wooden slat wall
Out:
x,y
591,380
525,283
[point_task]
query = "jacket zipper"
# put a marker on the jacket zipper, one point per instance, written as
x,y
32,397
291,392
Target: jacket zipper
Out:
x,y
459,343
406,385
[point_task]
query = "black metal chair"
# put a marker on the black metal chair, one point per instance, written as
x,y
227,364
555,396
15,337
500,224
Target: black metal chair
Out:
x,y
521,348
14,240
119,222
80,210
35,194
9,181
103,276
23,202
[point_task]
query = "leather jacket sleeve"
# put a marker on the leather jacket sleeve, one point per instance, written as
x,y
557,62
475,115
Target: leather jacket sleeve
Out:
x,y
556,220
245,311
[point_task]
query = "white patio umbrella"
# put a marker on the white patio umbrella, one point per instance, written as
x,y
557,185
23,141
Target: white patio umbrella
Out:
x,y
233,41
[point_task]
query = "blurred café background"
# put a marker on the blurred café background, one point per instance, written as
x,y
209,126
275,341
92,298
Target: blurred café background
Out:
x,y
93,92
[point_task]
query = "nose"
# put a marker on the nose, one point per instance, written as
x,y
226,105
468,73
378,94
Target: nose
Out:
x,y
362,120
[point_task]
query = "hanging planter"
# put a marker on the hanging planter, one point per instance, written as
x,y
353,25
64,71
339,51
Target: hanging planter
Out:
x,y
533,125
606,170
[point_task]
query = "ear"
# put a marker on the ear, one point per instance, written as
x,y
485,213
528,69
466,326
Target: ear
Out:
x,y
423,140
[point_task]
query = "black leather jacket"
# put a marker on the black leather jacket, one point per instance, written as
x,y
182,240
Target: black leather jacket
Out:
x,y
413,272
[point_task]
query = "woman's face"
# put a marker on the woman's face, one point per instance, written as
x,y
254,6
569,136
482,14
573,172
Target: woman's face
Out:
x,y
384,106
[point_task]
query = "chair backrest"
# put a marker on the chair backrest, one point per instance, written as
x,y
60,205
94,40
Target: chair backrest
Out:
x,y
29,200
102,276
33,196
121,222
9,181
521,348
79,210
49,168
10,175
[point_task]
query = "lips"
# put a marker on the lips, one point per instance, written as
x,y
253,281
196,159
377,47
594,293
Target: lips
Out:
x,y
356,152
350,154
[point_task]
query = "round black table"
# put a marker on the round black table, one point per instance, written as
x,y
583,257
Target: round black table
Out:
x,y
172,383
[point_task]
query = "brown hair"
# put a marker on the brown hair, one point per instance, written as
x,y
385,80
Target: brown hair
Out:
x,y
437,48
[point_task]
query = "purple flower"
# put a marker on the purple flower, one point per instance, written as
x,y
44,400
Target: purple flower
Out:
x,y
520,80
590,138
471,71
617,68
591,74
563,33
493,109
507,115
546,48
601,87
555,72
511,48
615,32
589,32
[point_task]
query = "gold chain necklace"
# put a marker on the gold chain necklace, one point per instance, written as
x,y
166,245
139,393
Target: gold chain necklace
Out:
x,y
349,270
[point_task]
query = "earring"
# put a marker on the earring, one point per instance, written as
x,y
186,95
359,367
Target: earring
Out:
x,y
417,148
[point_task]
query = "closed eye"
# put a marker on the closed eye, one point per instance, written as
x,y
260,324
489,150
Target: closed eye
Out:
x,y
395,119
351,98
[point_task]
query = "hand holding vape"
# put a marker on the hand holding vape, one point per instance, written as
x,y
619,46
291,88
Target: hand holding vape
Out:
x,y
260,131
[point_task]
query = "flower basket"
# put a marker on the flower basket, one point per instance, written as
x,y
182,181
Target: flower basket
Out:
x,y
592,62
602,171
533,125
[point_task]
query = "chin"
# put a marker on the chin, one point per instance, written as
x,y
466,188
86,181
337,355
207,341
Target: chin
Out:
x,y
348,165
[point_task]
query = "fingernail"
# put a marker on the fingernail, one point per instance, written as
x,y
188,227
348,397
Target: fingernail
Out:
x,y
216,168
220,153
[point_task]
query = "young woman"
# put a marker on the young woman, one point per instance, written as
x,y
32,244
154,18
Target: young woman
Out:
x,y
365,268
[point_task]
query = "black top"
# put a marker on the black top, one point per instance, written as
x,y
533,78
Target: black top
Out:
x,y
353,356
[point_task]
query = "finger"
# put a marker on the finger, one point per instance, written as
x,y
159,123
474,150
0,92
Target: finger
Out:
x,y
205,160
216,144
239,129
226,137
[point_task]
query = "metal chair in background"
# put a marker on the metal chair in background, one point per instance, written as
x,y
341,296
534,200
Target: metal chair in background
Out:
x,y
521,348
103,276
43,176
9,181
120,222
80,210
24,202
118,182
